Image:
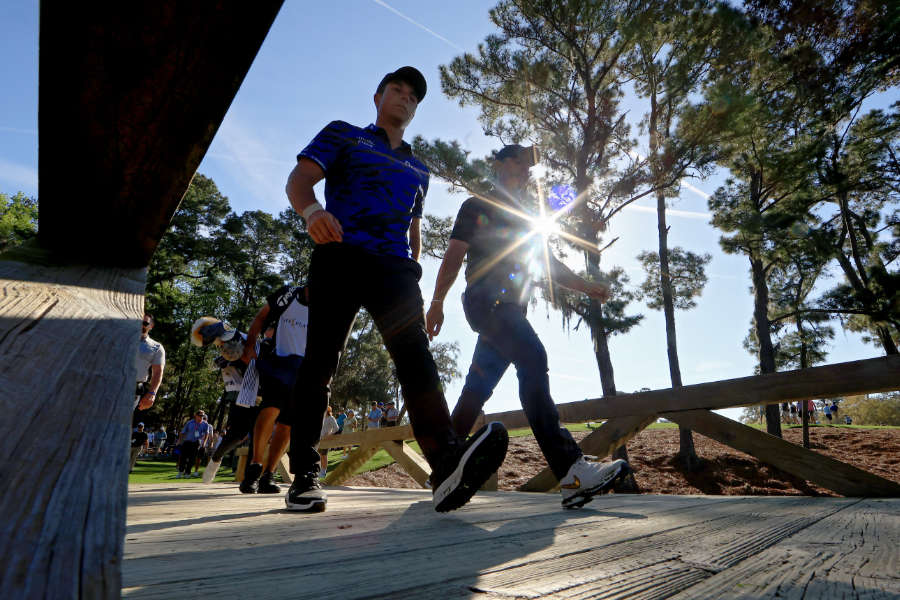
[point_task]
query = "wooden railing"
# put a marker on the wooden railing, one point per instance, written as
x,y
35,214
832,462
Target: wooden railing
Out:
x,y
690,406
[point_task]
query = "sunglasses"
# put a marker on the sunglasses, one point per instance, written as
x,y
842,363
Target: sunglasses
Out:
x,y
146,323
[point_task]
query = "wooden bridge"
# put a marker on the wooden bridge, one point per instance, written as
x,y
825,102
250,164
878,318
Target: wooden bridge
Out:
x,y
191,540
137,90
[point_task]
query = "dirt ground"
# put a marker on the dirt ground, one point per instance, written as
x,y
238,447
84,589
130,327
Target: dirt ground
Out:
x,y
724,471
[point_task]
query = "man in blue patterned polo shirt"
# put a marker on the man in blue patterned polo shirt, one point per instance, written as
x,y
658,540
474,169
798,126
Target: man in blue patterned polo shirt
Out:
x,y
367,246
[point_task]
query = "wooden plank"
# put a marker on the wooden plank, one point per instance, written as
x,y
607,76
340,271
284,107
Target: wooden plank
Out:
x,y
849,554
139,88
656,565
350,465
218,518
439,550
370,436
380,527
64,333
822,470
600,443
410,460
858,377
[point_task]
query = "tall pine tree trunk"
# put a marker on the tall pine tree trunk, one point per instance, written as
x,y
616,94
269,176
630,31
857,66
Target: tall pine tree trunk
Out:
x,y
687,455
604,364
764,337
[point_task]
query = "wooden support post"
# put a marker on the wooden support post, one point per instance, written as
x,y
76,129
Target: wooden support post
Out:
x,y
351,464
409,460
600,443
63,334
822,470
284,468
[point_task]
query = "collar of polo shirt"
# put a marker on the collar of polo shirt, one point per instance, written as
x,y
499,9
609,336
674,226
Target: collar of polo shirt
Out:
x,y
380,132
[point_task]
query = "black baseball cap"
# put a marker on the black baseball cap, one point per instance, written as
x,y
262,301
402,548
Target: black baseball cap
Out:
x,y
513,150
410,75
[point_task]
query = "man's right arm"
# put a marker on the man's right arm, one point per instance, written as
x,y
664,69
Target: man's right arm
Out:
x,y
323,227
453,260
253,333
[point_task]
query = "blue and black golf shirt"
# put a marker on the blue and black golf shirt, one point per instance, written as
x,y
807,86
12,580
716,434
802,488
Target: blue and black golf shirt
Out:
x,y
373,190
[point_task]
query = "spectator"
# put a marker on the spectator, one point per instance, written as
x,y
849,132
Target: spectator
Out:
x,y
834,410
813,414
342,416
161,440
375,417
827,410
192,436
329,426
242,389
138,443
286,312
391,415
349,427
150,363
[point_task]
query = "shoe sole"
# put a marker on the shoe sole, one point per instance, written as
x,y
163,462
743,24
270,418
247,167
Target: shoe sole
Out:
x,y
316,505
579,500
480,461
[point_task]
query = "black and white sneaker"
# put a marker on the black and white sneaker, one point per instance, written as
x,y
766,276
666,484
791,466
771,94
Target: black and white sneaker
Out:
x,y
588,479
267,484
454,483
306,494
250,483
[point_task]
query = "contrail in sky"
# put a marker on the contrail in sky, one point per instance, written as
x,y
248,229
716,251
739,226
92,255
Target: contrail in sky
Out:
x,y
417,24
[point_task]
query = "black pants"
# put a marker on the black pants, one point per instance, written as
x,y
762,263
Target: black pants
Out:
x,y
506,336
342,279
241,420
188,456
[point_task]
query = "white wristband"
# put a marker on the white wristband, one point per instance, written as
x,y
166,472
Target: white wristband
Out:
x,y
309,210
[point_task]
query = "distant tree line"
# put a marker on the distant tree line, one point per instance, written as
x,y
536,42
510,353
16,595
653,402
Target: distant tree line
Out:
x,y
775,93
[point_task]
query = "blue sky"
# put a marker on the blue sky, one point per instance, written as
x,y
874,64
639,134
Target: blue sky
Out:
x,y
322,61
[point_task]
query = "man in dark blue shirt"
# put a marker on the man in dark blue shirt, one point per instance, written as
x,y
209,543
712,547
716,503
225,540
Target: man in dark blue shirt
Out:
x,y
367,247
504,248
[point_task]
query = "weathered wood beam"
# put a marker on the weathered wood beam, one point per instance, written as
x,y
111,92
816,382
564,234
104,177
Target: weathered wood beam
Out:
x,y
409,460
131,95
868,376
822,470
369,436
351,464
600,443
63,334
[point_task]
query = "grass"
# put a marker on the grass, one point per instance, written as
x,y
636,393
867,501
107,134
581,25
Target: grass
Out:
x,y
163,470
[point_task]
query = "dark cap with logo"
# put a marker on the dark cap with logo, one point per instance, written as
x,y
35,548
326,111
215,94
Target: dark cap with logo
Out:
x,y
514,150
410,75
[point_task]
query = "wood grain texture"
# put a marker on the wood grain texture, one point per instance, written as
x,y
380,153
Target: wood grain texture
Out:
x,y
848,554
64,336
501,545
822,470
600,443
131,95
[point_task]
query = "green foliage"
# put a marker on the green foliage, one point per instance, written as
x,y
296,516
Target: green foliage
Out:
x,y
687,274
877,409
18,219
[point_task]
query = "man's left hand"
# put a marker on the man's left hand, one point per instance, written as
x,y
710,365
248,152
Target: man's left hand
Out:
x,y
146,401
